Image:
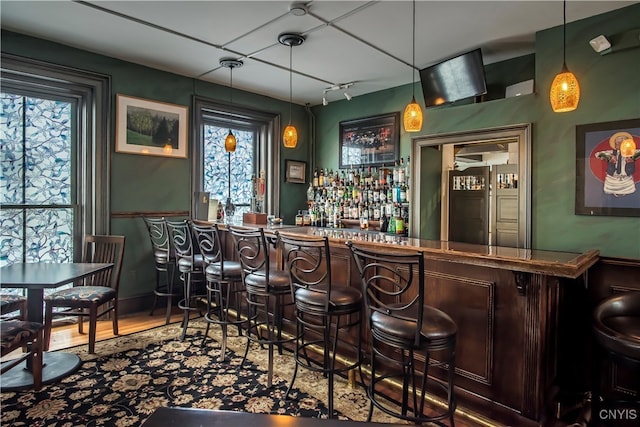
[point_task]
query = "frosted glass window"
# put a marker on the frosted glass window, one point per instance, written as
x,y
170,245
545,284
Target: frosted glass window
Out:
x,y
216,166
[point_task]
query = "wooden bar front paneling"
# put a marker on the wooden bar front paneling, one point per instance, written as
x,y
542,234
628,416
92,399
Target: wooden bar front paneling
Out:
x,y
506,303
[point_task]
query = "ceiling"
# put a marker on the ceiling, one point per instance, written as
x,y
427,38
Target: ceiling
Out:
x,y
367,43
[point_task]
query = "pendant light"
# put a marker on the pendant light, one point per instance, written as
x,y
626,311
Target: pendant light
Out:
x,y
413,113
230,141
290,135
565,90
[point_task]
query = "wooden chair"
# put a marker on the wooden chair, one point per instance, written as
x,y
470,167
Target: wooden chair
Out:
x,y
99,291
13,306
18,333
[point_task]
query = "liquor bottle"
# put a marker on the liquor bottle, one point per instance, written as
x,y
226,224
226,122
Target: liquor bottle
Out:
x,y
401,172
315,177
391,228
403,193
384,223
310,193
396,173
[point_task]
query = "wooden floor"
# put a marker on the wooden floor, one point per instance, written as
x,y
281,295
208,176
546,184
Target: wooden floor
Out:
x,y
66,335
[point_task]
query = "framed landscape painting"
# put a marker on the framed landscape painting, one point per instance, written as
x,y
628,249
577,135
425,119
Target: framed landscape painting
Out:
x,y
608,168
150,127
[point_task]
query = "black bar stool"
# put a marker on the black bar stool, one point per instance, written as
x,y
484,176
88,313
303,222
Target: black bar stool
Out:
x,y
224,282
191,267
165,262
402,325
267,291
324,311
616,327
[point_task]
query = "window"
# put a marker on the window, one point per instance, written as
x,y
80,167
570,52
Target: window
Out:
x,y
218,166
36,220
54,160
257,135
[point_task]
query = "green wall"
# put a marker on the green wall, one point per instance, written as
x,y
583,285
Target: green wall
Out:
x,y
141,183
610,90
157,184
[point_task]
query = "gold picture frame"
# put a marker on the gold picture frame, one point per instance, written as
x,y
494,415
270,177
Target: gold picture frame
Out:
x,y
296,172
150,127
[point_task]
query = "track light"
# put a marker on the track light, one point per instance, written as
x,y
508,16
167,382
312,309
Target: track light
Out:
x,y
342,86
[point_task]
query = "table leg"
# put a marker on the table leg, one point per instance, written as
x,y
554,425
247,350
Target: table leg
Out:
x,y
56,365
35,300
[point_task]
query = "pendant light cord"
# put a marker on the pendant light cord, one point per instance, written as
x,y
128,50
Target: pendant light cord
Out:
x,y
231,87
290,80
564,32
413,60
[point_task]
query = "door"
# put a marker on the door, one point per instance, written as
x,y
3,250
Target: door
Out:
x,y
469,205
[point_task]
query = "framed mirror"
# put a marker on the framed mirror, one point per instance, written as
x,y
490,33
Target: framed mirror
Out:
x,y
473,186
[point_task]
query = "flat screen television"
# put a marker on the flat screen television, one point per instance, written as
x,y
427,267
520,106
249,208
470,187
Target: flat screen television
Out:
x,y
454,79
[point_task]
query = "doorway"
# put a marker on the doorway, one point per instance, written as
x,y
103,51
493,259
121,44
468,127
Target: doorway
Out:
x,y
481,182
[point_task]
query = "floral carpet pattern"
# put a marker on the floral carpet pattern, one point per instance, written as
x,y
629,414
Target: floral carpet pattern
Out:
x,y
130,376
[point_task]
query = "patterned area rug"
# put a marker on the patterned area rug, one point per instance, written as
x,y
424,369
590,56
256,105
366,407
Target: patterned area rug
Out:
x,y
130,376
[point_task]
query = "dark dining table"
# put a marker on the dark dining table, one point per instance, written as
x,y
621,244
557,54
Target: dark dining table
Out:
x,y
35,278
192,417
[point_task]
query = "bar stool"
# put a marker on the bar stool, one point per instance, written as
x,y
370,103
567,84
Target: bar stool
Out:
x,y
224,282
324,311
401,325
267,289
616,327
165,262
191,268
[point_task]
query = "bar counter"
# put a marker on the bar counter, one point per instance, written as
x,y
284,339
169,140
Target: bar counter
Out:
x,y
513,310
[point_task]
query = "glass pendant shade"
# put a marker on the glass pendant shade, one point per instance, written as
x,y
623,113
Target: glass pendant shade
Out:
x,y
290,137
628,147
230,142
565,91
412,117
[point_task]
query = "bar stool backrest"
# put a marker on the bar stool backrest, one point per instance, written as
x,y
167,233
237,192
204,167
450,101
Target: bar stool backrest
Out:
x,y
208,240
252,250
392,285
308,262
160,241
182,239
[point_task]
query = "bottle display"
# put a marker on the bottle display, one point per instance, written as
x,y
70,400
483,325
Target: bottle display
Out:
x,y
376,198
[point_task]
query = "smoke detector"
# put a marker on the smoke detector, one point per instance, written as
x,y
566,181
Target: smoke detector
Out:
x,y
298,9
